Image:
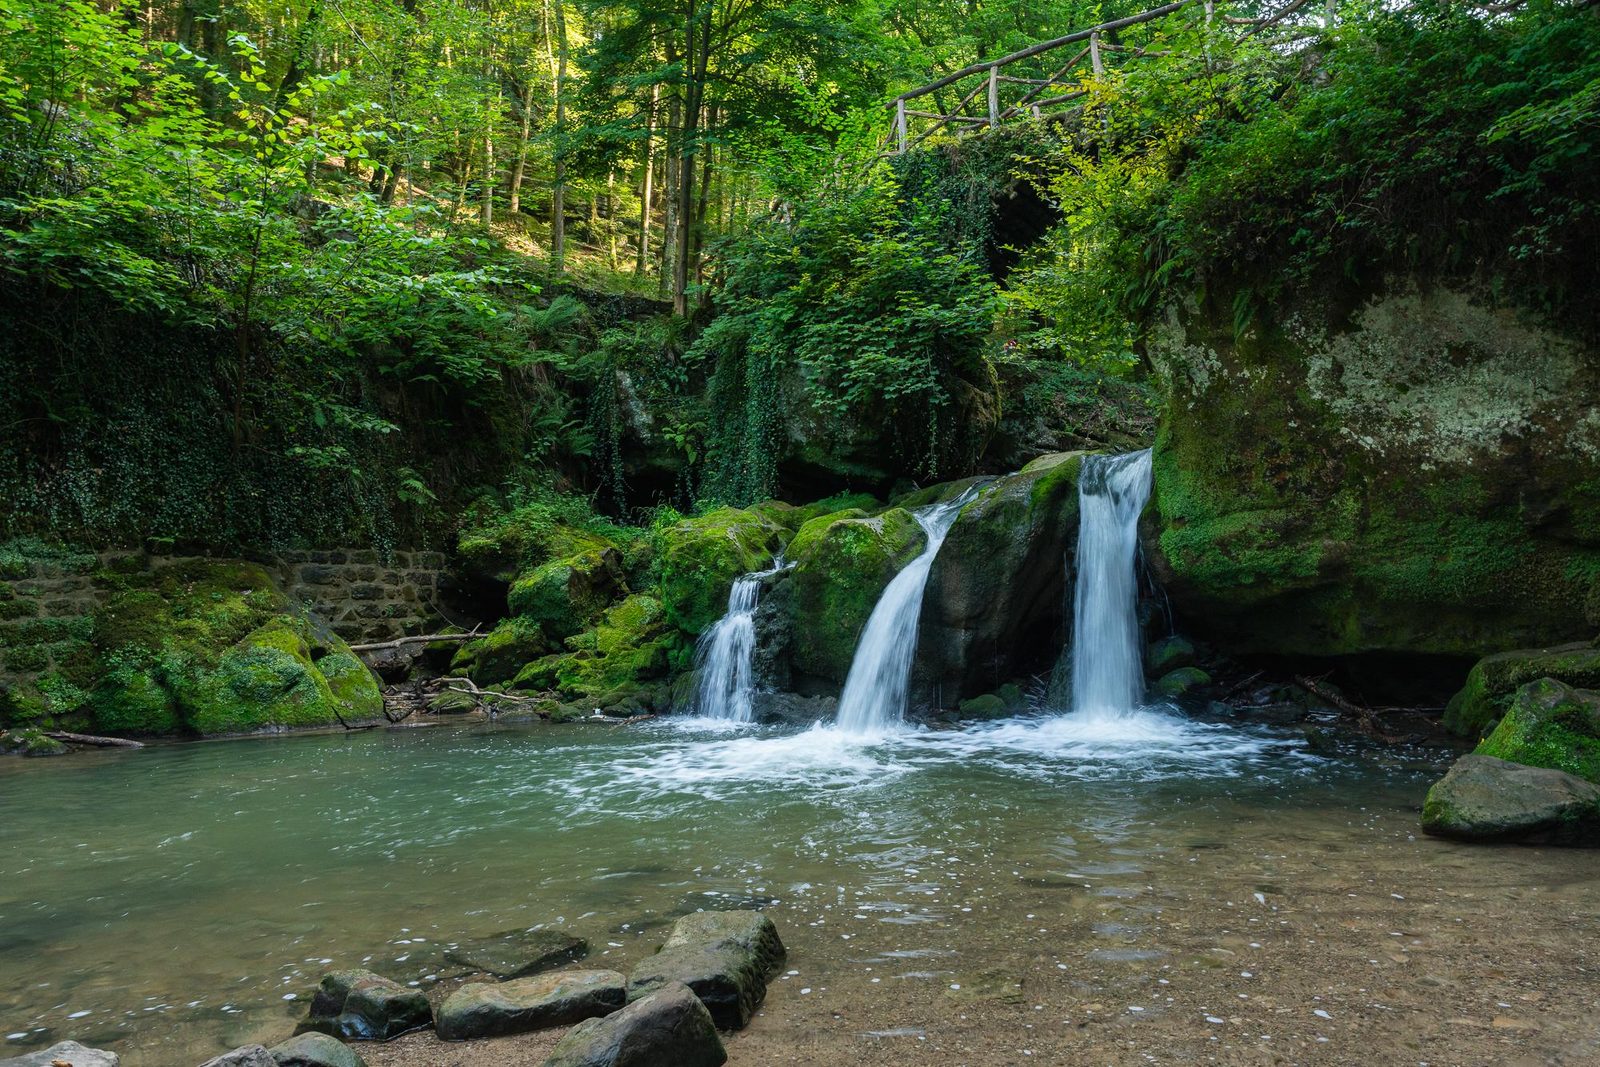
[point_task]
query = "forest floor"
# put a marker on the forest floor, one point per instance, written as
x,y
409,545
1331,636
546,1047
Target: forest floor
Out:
x,y
1340,942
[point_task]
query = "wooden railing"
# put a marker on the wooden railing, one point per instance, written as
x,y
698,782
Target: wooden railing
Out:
x,y
1099,42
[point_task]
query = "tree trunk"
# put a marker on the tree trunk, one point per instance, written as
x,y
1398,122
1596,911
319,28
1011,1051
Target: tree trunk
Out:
x,y
558,207
694,92
520,168
647,192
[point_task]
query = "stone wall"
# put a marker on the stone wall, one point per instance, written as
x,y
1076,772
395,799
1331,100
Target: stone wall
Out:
x,y
363,595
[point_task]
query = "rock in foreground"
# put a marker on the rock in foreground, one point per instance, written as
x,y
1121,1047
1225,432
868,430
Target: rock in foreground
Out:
x,y
516,1007
244,1056
362,1006
70,1053
1487,799
518,953
315,1050
723,956
668,1028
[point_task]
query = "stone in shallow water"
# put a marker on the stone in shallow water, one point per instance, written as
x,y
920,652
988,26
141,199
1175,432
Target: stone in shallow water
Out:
x,y
362,1006
315,1050
723,956
245,1056
518,953
1487,799
669,1028
69,1052
558,999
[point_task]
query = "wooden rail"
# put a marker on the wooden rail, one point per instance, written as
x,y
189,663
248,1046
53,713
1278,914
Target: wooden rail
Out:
x,y
1034,102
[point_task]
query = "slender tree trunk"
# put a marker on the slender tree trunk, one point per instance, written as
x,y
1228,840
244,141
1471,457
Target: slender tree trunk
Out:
x,y
491,109
558,207
649,177
707,155
520,168
611,219
694,64
669,192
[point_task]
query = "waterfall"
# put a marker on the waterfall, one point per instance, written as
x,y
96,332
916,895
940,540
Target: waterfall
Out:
x,y
874,697
724,653
1107,668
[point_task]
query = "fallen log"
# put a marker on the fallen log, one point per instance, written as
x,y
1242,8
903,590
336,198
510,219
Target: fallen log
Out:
x,y
420,639
92,740
1365,719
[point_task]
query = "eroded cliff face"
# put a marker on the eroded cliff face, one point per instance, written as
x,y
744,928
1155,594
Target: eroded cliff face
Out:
x,y
1417,473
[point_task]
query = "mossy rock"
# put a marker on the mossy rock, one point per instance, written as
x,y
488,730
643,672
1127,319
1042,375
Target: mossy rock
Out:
x,y
1550,724
565,595
542,673
627,650
1406,471
133,700
30,741
503,653
988,706
355,691
843,562
1494,680
1177,684
700,558
1168,654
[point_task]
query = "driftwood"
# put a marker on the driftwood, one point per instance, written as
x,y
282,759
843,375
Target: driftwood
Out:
x,y
92,740
420,639
1365,718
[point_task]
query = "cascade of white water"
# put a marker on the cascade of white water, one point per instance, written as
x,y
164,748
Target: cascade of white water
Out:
x,y
724,653
1107,671
874,697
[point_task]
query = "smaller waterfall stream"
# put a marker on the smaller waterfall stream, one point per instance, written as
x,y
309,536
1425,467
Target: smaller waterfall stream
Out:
x,y
1107,669
874,697
724,654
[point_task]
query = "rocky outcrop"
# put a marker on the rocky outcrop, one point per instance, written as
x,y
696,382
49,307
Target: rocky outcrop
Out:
x,y
1484,799
993,609
1412,472
702,556
670,1026
1493,681
516,1007
1550,725
362,1006
518,953
67,1052
725,957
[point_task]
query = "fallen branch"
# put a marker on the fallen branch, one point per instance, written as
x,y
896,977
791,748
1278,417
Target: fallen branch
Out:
x,y
1364,716
420,639
92,740
630,720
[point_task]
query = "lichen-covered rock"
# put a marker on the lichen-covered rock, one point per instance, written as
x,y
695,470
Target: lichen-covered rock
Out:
x,y
993,606
518,953
69,1052
725,957
1418,473
362,1006
1549,724
700,558
843,562
560,998
315,1050
1486,799
669,1027
1494,679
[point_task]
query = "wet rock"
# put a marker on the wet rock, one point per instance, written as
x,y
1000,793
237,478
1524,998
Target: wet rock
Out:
x,y
315,1050
69,1052
669,1027
792,708
1487,799
362,1006
518,953
724,956
1168,654
1179,683
988,706
558,999
246,1056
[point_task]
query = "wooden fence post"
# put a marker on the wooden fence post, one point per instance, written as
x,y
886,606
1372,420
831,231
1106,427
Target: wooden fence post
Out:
x,y
1094,55
900,127
994,96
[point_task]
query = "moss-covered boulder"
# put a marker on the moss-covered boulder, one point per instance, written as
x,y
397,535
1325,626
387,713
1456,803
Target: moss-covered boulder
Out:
x,y
1174,685
842,563
993,607
1485,799
1493,681
700,558
1410,471
621,662
564,595
1549,724
503,653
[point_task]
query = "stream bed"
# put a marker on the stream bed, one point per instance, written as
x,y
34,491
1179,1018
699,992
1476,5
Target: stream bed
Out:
x,y
985,895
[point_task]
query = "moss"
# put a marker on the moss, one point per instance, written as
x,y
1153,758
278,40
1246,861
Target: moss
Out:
x,y
132,699
701,557
543,673
355,692
1549,724
627,649
30,741
267,681
988,706
1179,683
510,646
1494,680
564,595
842,564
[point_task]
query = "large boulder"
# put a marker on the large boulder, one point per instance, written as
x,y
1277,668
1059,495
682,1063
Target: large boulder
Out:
x,y
724,956
700,558
1487,799
499,656
362,1006
997,591
1410,471
630,648
1550,724
842,563
518,953
669,1027
315,1050
70,1053
560,998
564,595
1494,679
244,1056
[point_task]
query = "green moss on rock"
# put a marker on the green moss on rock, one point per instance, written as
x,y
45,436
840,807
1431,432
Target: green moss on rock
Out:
x,y
625,653
564,595
503,653
700,558
1493,681
1549,724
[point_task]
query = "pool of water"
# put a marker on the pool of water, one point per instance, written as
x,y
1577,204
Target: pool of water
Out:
x,y
183,899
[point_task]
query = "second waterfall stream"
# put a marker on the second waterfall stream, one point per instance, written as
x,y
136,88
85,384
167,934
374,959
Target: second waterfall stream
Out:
x,y
874,697
1107,669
